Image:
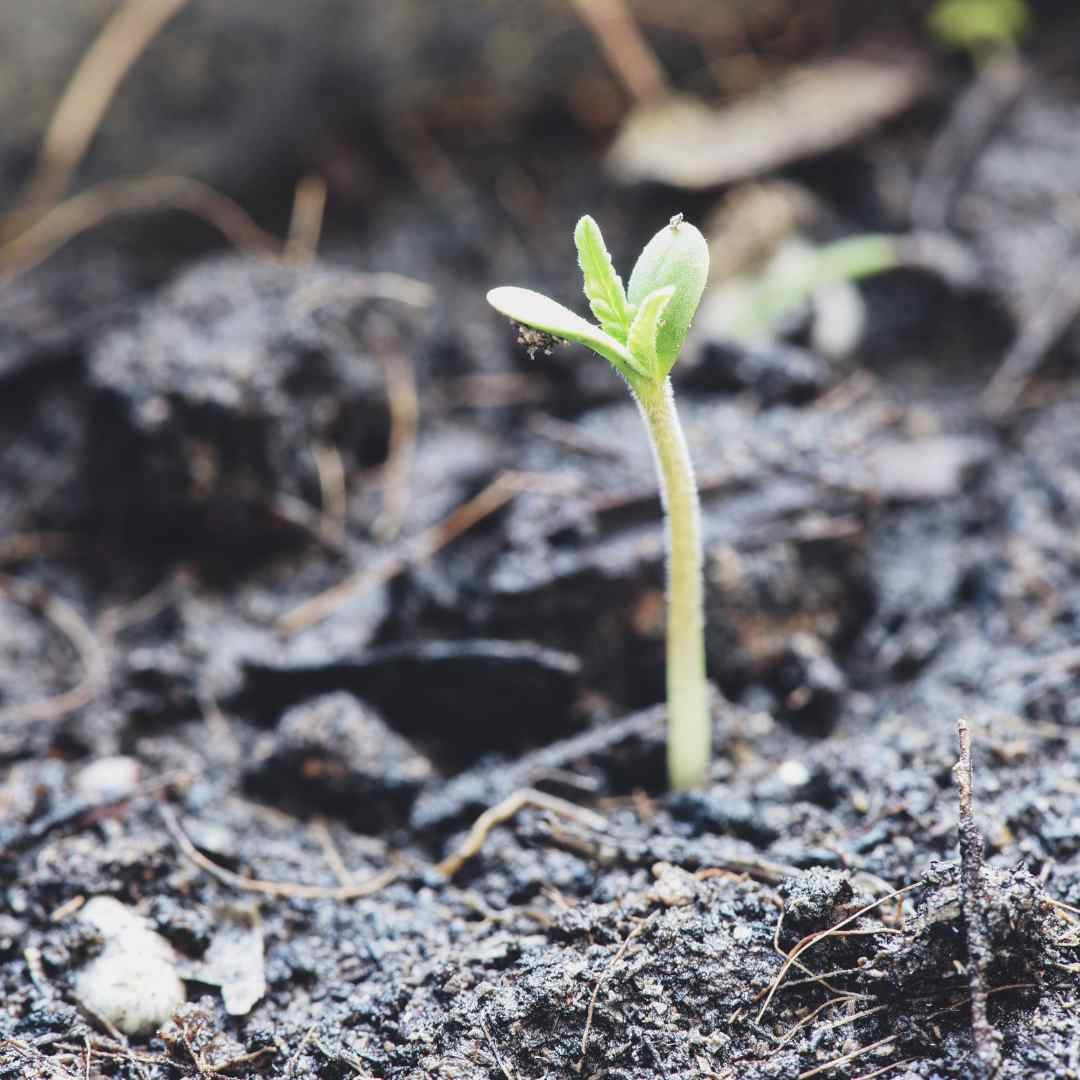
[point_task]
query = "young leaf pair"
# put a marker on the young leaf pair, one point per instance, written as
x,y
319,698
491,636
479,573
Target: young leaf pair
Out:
x,y
641,331
641,328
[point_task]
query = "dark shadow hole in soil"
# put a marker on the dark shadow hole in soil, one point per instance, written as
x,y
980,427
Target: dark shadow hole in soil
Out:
x,y
637,765
152,503
456,701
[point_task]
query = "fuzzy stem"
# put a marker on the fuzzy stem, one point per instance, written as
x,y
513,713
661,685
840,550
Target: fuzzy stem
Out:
x,y
689,722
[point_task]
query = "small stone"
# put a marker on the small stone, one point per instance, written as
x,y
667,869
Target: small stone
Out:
x,y
937,467
132,983
107,779
335,755
793,773
674,887
812,685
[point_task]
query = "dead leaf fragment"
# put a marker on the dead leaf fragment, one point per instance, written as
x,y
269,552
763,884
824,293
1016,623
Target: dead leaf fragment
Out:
x,y
683,142
234,961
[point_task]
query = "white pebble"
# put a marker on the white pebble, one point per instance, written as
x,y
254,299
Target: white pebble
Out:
x,y
107,779
132,983
793,773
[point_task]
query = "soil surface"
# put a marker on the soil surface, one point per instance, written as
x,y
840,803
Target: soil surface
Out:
x,y
331,620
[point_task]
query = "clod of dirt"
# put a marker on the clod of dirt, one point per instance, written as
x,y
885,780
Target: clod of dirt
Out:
x,y
811,686
133,982
815,900
933,946
194,1037
231,380
776,373
334,755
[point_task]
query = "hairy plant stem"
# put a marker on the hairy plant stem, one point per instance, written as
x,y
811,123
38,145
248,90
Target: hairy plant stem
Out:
x,y
689,723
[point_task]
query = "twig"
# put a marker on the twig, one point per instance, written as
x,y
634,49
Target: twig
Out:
x,y
1062,904
496,495
840,999
90,208
305,224
321,831
503,1067
885,1068
612,24
403,402
352,288
333,491
604,976
27,1053
978,111
1037,336
83,640
287,889
820,935
294,1057
504,811
846,1058
571,437
973,902
84,103
22,547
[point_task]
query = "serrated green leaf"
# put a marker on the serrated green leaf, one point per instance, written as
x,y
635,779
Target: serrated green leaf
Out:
x,y
677,255
541,313
603,287
645,329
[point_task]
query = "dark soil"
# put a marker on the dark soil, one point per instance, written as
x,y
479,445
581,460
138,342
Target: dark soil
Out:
x,y
286,799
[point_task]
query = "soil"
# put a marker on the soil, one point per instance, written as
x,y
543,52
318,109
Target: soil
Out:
x,y
422,829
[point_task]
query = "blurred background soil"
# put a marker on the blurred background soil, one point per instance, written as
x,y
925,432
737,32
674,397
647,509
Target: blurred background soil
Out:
x,y
331,619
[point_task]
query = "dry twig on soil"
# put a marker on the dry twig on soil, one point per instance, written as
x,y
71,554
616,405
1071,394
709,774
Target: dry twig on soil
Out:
x,y
305,225
845,1059
403,402
1037,336
973,904
83,640
503,1067
612,24
977,113
821,935
286,889
496,495
89,208
604,976
22,547
79,113
504,811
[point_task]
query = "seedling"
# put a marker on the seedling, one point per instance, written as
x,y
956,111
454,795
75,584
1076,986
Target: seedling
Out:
x,y
980,25
755,307
641,330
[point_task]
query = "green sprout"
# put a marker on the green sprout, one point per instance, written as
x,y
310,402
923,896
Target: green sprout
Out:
x,y
755,307
641,331
977,25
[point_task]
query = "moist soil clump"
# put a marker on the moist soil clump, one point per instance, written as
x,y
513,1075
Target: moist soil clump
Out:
x,y
331,619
